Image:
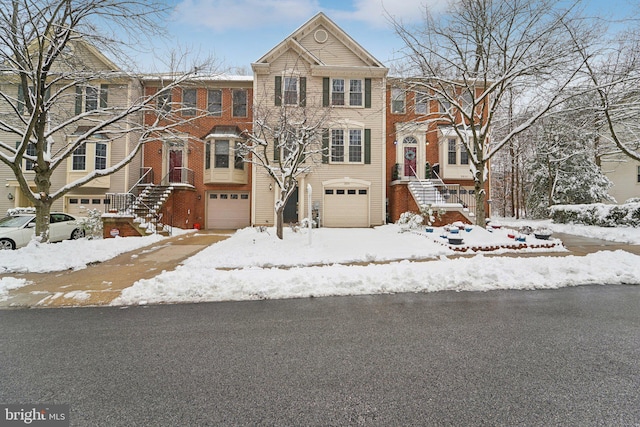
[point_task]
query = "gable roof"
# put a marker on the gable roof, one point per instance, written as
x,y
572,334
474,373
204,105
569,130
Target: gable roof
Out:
x,y
319,20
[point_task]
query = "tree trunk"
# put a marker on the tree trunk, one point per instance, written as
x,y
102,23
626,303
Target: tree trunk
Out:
x,y
43,209
480,196
279,222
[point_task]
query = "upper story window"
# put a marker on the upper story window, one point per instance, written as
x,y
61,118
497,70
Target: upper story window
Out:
x,y
189,102
164,100
101,156
397,101
464,156
239,102
90,98
346,146
290,91
452,151
347,92
421,103
221,154
214,102
79,159
444,105
30,151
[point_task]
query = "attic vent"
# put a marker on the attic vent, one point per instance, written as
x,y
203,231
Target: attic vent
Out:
x,y
321,36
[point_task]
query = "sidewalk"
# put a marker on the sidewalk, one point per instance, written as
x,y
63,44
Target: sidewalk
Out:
x,y
101,283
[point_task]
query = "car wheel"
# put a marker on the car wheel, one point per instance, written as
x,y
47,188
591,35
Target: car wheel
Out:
x,y
78,233
7,244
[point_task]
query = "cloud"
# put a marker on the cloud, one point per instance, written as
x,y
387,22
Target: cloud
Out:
x,y
375,12
223,15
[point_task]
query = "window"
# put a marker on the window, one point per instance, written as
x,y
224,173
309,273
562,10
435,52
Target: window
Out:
x,y
91,99
222,154
164,101
464,156
337,92
31,151
452,151
397,100
444,105
355,146
214,102
95,201
328,191
355,93
238,161
346,141
189,101
79,159
207,155
466,101
291,91
421,103
239,103
101,156
337,145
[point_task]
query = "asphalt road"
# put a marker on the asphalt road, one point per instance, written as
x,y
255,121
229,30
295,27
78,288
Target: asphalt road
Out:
x,y
540,358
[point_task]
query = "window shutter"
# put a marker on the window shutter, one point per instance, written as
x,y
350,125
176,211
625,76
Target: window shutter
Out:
x,y
325,91
367,146
367,93
20,99
78,99
303,91
325,146
104,93
278,94
276,150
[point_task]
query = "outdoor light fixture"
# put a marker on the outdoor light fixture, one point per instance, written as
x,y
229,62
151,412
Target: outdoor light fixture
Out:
x,y
10,196
270,187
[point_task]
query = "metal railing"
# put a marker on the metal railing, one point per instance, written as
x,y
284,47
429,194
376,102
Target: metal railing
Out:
x,y
179,176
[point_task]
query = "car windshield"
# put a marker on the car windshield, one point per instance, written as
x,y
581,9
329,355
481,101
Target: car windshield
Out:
x,y
15,221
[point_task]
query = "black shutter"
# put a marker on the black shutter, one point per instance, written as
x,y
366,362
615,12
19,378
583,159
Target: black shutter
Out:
x,y
303,91
325,91
78,99
367,146
104,94
367,93
278,94
276,150
20,99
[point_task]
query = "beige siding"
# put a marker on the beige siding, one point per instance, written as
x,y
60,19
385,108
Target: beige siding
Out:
x,y
332,51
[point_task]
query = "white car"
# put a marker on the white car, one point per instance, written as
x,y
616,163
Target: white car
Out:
x,y
17,230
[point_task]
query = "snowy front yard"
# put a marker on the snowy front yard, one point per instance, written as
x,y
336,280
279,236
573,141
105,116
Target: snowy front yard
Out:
x,y
255,265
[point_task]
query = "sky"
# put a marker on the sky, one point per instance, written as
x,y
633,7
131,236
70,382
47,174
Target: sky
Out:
x,y
253,265
239,32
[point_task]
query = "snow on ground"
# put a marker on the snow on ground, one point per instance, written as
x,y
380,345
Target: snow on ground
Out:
x,y
68,254
252,265
256,265
614,234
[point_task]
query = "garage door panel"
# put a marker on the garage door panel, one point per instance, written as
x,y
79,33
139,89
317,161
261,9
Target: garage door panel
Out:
x,y
346,207
228,210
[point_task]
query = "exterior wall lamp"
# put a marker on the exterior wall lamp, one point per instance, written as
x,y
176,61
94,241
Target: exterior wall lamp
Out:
x,y
10,196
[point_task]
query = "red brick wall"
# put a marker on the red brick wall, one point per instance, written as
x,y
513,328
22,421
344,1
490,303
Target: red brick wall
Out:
x,y
187,206
124,226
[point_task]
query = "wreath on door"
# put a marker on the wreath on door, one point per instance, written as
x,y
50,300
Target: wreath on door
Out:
x,y
410,155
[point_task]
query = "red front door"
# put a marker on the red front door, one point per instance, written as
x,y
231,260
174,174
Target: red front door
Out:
x,y
410,154
175,165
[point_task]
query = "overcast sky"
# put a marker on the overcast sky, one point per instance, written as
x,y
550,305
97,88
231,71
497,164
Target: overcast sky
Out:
x,y
239,32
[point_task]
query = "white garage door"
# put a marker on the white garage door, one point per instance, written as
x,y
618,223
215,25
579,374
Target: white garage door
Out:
x,y
228,210
79,205
346,207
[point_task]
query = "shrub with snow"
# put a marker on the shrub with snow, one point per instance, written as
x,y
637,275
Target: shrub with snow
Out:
x,y
92,224
599,214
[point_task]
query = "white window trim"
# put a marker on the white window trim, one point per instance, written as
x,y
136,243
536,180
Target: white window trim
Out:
x,y
347,92
347,144
286,77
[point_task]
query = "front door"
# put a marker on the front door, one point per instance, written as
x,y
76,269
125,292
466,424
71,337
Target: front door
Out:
x,y
410,154
175,165
290,213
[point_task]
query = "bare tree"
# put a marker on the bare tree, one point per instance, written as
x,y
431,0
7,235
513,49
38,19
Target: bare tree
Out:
x,y
43,53
613,73
473,57
287,142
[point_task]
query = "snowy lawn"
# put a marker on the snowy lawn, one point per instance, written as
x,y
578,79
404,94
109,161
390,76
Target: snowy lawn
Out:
x,y
614,234
253,265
